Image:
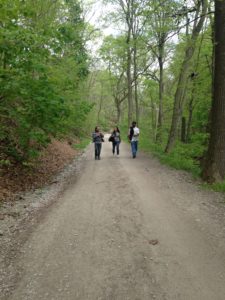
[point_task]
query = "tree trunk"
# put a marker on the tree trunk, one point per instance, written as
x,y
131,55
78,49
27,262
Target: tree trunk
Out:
x,y
188,135
129,85
183,130
136,86
129,63
214,169
212,64
181,87
161,92
135,29
118,110
100,105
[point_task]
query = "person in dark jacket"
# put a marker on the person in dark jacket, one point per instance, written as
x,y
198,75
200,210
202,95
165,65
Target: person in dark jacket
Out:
x,y
97,138
116,139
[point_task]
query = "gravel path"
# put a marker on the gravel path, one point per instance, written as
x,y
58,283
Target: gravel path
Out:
x,y
123,229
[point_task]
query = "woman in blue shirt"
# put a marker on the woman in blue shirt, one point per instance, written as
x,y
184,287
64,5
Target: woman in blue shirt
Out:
x,y
97,138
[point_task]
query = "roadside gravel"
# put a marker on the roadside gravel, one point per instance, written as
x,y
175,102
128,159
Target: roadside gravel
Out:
x,y
20,216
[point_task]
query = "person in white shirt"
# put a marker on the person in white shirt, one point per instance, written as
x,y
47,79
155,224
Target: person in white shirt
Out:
x,y
133,136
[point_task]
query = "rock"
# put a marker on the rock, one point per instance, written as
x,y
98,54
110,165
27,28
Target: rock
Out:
x,y
153,242
13,214
1,233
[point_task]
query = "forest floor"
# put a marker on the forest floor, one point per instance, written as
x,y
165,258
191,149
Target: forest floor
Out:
x,y
18,179
115,229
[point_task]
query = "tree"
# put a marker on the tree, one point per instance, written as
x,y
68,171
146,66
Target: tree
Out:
x,y
128,13
200,15
42,63
214,169
128,10
113,52
160,23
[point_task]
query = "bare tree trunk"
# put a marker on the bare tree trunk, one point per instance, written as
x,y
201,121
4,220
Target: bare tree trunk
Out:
x,y
188,134
129,84
183,130
135,30
136,85
100,105
118,115
118,110
161,92
211,64
182,81
152,115
214,169
129,22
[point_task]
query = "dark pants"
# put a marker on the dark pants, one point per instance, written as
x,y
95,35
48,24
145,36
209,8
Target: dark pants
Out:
x,y
115,146
134,148
98,147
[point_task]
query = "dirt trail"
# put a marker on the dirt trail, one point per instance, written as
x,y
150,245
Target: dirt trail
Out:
x,y
127,229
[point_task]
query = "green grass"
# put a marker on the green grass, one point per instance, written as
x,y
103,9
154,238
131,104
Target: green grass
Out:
x,y
82,144
181,158
218,187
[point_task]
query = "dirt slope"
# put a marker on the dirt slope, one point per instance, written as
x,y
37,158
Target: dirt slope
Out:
x,y
126,229
16,179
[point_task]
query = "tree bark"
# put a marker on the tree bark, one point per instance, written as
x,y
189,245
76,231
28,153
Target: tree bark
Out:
x,y
129,82
190,111
161,91
183,130
136,84
118,109
135,30
128,13
181,87
214,168
100,105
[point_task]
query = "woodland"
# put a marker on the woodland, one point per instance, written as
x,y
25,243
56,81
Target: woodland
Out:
x,y
163,65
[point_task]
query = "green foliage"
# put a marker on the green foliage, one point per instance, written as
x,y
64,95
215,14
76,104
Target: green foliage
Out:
x,y
218,187
43,63
5,162
82,143
183,157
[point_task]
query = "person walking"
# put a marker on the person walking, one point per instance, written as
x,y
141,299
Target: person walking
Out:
x,y
115,139
133,136
97,138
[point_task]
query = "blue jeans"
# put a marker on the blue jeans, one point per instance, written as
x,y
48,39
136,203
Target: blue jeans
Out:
x,y
115,146
98,147
134,148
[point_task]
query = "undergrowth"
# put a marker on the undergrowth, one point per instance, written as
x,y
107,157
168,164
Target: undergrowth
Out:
x,y
84,141
183,157
218,187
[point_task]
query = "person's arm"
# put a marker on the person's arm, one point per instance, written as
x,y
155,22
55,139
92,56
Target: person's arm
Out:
x,y
131,133
128,135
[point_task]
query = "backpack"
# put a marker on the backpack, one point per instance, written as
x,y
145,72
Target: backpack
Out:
x,y
111,139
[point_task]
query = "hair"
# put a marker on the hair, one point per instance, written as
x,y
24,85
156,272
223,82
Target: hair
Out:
x,y
96,129
117,129
134,123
